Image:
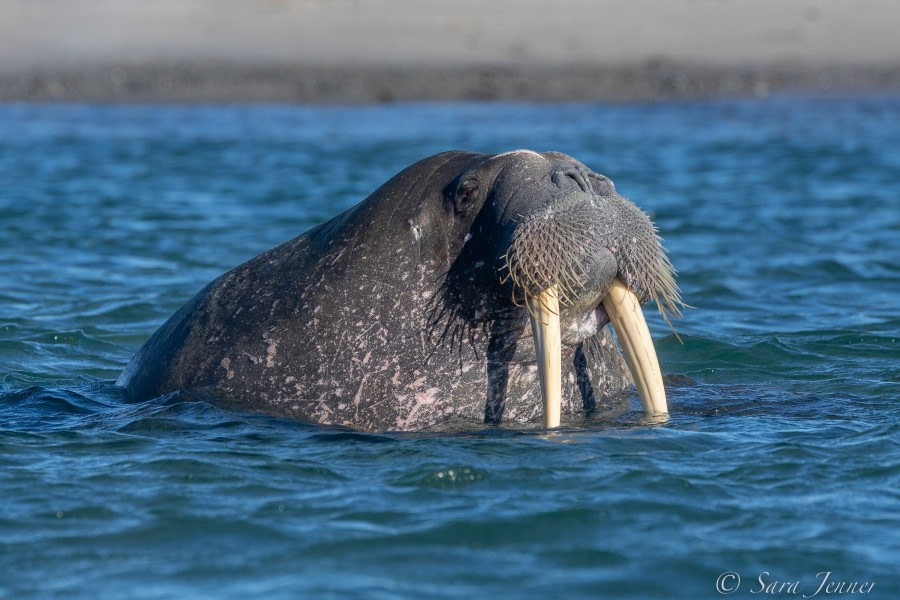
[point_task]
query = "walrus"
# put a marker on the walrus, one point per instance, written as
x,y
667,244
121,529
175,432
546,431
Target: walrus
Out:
x,y
468,288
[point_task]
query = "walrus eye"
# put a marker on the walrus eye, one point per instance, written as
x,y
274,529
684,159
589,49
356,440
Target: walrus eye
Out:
x,y
465,193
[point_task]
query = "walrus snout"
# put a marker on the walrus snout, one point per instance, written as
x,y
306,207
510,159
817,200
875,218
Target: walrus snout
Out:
x,y
586,252
580,242
561,245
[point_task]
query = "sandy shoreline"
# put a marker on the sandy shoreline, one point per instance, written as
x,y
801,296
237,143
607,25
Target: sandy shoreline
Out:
x,y
356,51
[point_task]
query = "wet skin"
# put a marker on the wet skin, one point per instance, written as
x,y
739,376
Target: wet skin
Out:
x,y
407,312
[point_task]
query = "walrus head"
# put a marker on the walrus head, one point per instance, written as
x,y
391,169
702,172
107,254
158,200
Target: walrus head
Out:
x,y
563,244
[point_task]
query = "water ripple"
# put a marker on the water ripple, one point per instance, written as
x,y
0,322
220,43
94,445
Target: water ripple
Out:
x,y
780,455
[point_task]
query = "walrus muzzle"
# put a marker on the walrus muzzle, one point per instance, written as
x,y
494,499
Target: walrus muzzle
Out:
x,y
562,255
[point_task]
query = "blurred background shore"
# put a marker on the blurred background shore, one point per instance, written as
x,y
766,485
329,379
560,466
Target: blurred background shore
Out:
x,y
358,51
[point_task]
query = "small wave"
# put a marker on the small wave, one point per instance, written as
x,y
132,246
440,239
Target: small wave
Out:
x,y
39,408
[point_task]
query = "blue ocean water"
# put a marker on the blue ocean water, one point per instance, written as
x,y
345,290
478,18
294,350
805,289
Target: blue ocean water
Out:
x,y
779,468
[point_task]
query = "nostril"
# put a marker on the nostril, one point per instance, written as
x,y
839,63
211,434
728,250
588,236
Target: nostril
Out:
x,y
564,179
602,185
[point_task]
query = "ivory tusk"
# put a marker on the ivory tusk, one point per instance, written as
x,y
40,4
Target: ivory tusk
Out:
x,y
627,319
544,312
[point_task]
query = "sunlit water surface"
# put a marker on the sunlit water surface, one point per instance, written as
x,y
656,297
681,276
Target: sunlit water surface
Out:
x,y
781,460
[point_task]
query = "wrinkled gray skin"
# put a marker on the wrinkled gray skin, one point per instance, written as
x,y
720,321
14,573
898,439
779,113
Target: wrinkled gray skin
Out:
x,y
392,315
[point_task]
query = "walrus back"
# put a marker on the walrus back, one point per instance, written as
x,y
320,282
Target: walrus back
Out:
x,y
185,353
180,354
148,371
